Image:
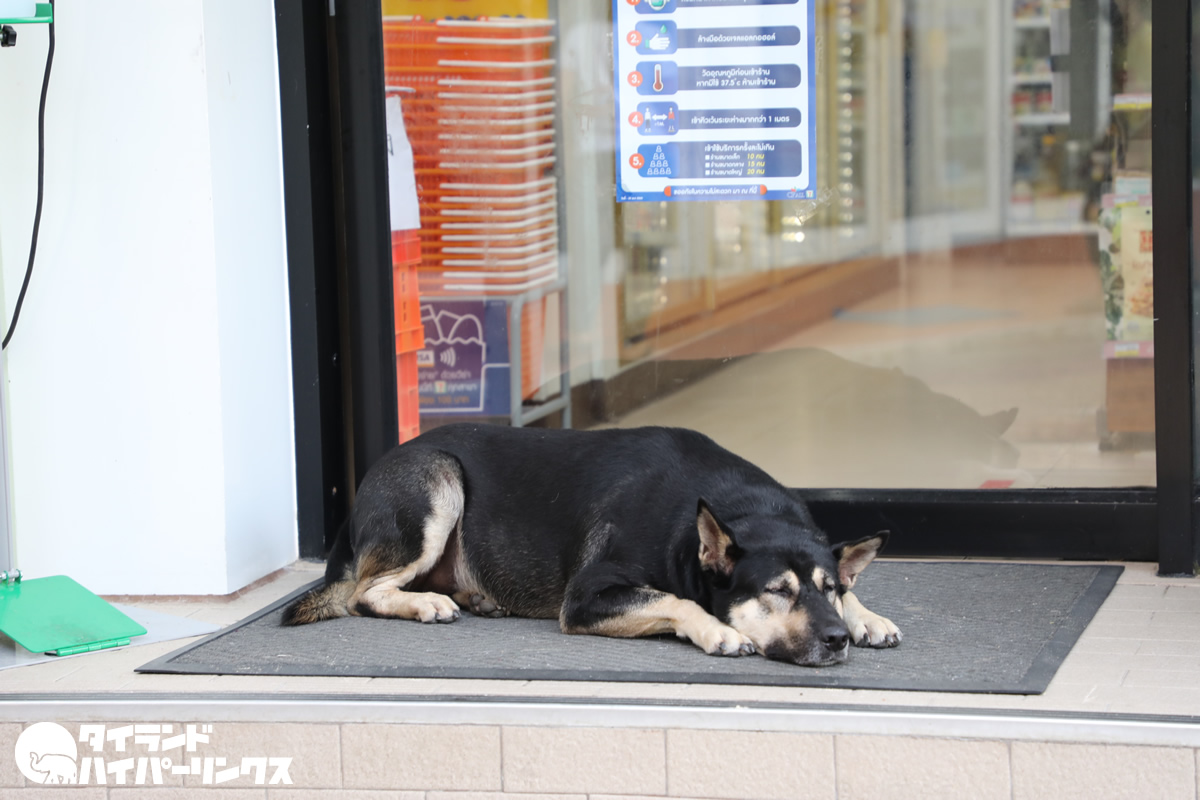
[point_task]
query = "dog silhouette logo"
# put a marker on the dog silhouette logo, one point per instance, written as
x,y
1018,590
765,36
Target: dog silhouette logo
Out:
x,y
47,753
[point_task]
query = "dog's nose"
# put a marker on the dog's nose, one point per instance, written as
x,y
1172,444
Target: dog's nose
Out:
x,y
835,637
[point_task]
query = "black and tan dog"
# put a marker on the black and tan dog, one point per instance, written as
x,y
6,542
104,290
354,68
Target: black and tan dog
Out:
x,y
614,533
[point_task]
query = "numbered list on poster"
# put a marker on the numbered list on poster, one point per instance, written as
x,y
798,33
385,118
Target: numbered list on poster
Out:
x,y
714,99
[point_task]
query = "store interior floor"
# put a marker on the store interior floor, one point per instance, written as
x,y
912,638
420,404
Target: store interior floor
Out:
x,y
899,391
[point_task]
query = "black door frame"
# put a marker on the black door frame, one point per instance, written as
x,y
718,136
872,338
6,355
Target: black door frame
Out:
x,y
1146,524
1174,380
308,169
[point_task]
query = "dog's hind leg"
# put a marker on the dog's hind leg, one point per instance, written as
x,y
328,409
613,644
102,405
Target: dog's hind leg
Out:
x,y
595,606
868,629
404,535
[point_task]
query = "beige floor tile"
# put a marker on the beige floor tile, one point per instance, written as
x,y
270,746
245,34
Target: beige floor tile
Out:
x,y
1180,620
291,684
111,669
9,774
1169,648
314,750
287,793
428,757
181,793
1111,616
1181,663
1139,573
618,761
168,684
1091,674
1162,700
873,767
1145,633
119,753
1091,771
511,796
1164,678
1181,598
1098,645
1126,597
20,679
750,764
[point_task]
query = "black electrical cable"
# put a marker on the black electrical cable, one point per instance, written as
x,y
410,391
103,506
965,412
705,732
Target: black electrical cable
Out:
x,y
37,214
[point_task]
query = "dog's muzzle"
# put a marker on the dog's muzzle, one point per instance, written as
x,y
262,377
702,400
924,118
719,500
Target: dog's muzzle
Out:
x,y
829,646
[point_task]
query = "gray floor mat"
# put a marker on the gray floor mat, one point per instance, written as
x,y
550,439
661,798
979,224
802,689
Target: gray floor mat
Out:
x,y
968,627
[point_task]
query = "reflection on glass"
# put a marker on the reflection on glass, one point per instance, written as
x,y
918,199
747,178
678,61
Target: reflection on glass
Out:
x,y
965,302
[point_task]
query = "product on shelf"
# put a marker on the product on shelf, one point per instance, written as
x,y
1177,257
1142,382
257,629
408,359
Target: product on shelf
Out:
x,y
1127,266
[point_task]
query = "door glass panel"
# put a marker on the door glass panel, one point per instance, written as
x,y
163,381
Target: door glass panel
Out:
x,y
923,257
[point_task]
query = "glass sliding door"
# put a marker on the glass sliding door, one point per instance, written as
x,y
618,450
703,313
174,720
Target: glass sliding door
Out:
x,y
898,254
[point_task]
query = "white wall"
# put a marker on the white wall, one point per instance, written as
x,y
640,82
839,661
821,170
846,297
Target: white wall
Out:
x,y
149,376
247,186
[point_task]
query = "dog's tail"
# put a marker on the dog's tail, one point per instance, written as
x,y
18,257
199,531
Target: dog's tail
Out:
x,y
325,602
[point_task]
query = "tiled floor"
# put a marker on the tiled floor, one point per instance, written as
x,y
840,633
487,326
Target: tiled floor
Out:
x,y
1140,655
882,397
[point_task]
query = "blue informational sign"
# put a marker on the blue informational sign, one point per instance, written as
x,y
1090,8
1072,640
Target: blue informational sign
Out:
x,y
715,99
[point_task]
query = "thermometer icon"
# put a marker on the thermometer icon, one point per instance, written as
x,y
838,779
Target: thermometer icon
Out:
x,y
658,82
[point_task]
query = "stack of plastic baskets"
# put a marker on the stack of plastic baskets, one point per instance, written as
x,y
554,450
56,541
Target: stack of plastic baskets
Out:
x,y
479,111
410,333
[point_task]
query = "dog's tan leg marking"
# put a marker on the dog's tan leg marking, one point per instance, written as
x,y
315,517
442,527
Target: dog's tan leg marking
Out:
x,y
667,613
388,600
868,629
382,592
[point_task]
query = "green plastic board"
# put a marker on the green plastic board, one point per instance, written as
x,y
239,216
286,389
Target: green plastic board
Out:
x,y
58,616
44,13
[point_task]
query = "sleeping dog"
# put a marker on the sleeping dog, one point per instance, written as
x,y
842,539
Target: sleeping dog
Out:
x,y
614,533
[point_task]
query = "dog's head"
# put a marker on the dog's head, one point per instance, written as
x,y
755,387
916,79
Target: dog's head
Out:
x,y
786,597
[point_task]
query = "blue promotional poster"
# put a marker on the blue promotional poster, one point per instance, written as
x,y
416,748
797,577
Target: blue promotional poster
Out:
x,y
715,99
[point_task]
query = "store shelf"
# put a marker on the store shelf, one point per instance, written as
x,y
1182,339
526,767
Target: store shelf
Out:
x,y
1038,120
1128,350
1032,78
1132,102
1030,228
1032,23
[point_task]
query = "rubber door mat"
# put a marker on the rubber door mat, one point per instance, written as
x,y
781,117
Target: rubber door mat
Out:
x,y
968,627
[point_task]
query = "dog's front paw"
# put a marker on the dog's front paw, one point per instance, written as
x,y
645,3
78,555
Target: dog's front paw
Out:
x,y
719,639
872,630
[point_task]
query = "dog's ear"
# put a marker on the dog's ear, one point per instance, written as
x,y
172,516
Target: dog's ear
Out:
x,y
718,552
853,557
996,424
